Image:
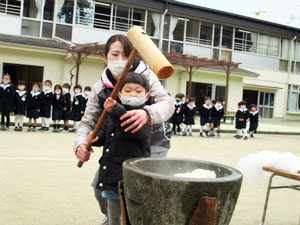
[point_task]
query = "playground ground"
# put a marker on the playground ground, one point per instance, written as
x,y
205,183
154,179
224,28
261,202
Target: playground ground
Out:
x,y
41,185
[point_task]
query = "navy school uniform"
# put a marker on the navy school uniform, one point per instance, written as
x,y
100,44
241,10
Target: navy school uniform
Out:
x,y
33,104
189,114
205,116
58,104
7,94
78,107
177,118
20,102
217,113
47,98
241,114
253,117
66,115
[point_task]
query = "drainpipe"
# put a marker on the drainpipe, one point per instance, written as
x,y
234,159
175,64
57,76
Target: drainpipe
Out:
x,y
289,73
162,23
54,19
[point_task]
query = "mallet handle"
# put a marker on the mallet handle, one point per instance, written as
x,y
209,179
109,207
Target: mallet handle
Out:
x,y
113,95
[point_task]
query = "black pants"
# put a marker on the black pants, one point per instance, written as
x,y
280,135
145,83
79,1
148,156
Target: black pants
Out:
x,y
178,127
3,115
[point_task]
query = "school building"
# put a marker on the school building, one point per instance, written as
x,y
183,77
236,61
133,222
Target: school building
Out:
x,y
34,36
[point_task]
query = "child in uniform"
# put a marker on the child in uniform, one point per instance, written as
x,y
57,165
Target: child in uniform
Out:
x,y
242,115
189,113
57,107
20,105
66,116
118,144
177,117
87,92
217,113
205,117
77,107
6,101
33,106
47,98
254,118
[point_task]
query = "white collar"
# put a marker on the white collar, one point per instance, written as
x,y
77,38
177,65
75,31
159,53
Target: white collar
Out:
x,y
254,113
207,106
85,96
218,108
77,94
178,103
65,92
47,92
21,93
34,93
191,106
4,86
243,110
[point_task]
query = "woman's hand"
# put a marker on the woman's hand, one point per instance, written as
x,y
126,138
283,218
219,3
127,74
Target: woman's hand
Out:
x,y
83,154
138,118
90,139
109,104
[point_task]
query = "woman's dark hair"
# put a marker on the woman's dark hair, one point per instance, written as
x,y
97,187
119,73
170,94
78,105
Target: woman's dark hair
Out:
x,y
87,88
77,86
124,41
36,83
58,86
67,85
136,79
242,103
21,82
48,81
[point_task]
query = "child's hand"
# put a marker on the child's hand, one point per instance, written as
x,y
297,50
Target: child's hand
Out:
x,y
81,112
90,139
109,104
65,109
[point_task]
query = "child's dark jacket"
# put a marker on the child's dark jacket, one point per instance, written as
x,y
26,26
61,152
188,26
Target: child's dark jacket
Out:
x,y
118,145
7,94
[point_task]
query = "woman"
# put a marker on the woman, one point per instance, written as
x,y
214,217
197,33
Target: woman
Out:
x,y
117,51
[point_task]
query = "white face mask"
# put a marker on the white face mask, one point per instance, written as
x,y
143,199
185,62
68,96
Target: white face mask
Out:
x,y
133,101
58,92
116,67
87,93
77,92
46,88
243,106
218,105
65,90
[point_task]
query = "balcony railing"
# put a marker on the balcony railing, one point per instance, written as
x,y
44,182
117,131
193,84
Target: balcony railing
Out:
x,y
10,9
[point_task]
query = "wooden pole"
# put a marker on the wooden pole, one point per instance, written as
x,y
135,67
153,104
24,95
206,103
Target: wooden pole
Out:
x,y
190,82
77,67
114,94
227,89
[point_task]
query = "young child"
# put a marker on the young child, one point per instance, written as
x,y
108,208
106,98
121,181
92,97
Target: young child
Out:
x,y
254,118
205,117
33,106
66,116
242,115
189,114
87,92
47,98
217,113
177,117
58,104
20,105
6,101
118,144
77,107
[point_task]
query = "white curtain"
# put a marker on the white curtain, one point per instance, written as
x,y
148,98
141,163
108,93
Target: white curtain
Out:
x,y
263,43
274,46
39,5
60,4
293,102
173,24
156,20
297,50
285,49
253,37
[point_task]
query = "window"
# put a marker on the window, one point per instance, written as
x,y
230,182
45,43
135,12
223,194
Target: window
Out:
x,y
65,11
294,98
12,7
153,24
102,15
192,31
206,33
227,36
48,10
226,55
33,9
245,41
166,27
84,13
30,28
179,28
285,49
217,35
176,47
268,45
266,104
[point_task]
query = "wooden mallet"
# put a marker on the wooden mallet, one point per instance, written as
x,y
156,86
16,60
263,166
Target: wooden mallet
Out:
x,y
143,45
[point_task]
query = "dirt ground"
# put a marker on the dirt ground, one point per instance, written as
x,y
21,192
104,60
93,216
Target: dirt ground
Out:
x,y
40,183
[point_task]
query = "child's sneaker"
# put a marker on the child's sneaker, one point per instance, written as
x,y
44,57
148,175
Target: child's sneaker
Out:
x,y
212,134
29,129
177,133
190,134
1,128
238,136
218,134
184,134
20,129
251,135
16,129
245,138
5,128
201,135
206,133
34,129
46,129
42,129
73,131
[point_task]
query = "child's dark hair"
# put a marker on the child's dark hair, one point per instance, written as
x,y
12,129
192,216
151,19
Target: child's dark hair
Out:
x,y
253,106
192,99
206,98
214,101
48,81
57,86
179,95
242,103
77,86
136,79
36,83
21,82
6,75
87,88
67,85
218,100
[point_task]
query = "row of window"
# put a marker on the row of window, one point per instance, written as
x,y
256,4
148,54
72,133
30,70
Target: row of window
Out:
x,y
294,98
